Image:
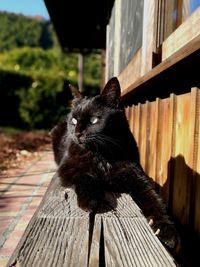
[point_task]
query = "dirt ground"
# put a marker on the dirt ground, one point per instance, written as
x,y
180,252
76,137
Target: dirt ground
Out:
x,y
20,147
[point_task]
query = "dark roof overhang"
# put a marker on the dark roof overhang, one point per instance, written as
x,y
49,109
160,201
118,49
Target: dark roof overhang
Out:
x,y
80,25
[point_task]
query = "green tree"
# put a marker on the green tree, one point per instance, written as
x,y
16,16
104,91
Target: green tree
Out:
x,y
33,79
19,31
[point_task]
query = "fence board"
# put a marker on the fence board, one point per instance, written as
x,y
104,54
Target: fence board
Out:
x,y
137,111
197,169
181,183
164,144
143,135
167,133
152,140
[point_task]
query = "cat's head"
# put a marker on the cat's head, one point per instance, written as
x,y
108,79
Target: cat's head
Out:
x,y
95,120
109,96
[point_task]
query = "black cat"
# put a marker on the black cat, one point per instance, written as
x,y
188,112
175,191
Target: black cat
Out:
x,y
96,152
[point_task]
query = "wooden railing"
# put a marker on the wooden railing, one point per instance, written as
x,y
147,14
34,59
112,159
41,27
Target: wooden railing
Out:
x,y
168,135
61,234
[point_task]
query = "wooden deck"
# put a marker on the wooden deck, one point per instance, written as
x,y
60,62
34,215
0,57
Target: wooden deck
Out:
x,y
61,234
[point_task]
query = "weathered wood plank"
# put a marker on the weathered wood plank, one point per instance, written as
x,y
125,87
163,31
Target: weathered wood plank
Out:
x,y
143,135
132,71
178,56
182,35
148,36
197,164
129,245
94,253
129,240
153,118
165,145
56,232
137,122
183,158
167,132
61,234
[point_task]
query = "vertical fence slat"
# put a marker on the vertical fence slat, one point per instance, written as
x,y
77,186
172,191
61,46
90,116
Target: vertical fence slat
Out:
x,y
152,138
165,146
197,165
129,111
131,114
183,161
137,123
143,136
167,132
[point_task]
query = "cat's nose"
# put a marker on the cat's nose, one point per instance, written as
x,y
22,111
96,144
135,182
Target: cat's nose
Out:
x,y
79,137
78,134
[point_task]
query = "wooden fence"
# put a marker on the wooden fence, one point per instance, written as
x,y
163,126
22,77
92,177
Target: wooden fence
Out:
x,y
168,135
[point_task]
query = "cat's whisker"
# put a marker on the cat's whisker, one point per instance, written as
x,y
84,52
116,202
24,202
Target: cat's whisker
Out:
x,y
103,140
99,142
96,152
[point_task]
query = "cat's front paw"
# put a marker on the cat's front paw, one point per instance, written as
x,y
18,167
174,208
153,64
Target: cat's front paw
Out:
x,y
86,204
93,204
104,167
167,234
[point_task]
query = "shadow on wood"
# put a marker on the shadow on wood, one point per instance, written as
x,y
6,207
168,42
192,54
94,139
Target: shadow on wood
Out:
x,y
61,234
182,184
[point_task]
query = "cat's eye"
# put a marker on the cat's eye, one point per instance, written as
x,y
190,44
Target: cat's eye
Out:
x,y
74,121
94,120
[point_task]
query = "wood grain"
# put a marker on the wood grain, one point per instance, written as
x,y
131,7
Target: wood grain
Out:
x,y
196,192
179,55
132,72
186,32
167,132
61,234
148,37
127,236
54,235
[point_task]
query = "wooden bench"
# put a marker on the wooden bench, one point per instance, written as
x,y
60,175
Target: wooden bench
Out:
x,y
61,234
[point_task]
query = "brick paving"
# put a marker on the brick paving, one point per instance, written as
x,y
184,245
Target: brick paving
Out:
x,y
20,196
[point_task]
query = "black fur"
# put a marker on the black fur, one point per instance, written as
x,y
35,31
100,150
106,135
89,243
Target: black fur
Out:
x,y
96,152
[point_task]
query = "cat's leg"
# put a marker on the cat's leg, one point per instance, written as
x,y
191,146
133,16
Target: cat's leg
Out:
x,y
90,195
73,167
130,178
82,172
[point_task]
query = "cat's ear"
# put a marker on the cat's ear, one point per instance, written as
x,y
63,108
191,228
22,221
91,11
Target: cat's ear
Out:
x,y
77,96
112,92
75,92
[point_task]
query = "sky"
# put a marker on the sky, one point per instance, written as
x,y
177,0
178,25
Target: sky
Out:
x,y
37,7
26,7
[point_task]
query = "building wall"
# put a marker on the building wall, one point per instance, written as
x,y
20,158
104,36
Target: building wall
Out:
x,y
148,38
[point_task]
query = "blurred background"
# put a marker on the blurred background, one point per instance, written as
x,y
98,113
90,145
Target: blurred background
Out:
x,y
34,77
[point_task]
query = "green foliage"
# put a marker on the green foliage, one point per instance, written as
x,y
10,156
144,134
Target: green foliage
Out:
x,y
28,102
9,84
19,31
38,106
32,60
37,61
34,90
92,73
